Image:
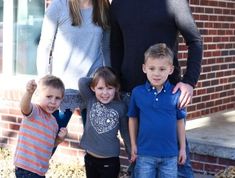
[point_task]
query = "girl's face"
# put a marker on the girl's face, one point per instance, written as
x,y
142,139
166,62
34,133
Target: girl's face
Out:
x,y
50,99
104,93
157,71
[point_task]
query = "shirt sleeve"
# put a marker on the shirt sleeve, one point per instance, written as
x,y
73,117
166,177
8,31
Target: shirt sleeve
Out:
x,y
35,111
181,114
48,32
84,88
133,110
188,29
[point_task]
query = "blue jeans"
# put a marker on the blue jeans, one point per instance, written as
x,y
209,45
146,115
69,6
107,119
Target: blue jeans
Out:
x,y
155,167
62,119
186,171
22,173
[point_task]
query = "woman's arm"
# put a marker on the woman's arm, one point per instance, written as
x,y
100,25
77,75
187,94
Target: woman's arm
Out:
x,y
48,32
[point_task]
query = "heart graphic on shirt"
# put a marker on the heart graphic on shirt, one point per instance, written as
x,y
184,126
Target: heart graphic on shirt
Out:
x,y
102,118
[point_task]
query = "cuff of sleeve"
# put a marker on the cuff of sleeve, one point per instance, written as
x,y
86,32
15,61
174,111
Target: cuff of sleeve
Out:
x,y
193,84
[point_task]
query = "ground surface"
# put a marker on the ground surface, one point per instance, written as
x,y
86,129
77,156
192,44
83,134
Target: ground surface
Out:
x,y
57,169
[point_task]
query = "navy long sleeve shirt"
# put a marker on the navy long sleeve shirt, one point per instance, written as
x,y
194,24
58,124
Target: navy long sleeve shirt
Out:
x,y
138,24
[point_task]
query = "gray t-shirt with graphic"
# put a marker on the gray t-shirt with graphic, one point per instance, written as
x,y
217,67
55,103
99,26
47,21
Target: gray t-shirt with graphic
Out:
x,y
102,124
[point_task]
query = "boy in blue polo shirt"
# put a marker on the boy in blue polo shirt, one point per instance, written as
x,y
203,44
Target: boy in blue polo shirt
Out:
x,y
156,124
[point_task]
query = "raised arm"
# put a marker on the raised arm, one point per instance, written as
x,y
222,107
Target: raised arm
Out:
x,y
84,88
25,104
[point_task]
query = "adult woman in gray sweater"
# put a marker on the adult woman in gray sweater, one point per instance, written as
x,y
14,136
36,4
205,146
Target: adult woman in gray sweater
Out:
x,y
77,34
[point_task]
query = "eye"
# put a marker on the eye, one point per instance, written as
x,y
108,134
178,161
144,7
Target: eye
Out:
x,y
151,68
110,87
58,98
49,96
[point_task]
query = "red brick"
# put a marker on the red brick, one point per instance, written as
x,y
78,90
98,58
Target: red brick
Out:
x,y
197,165
226,162
9,118
213,167
205,158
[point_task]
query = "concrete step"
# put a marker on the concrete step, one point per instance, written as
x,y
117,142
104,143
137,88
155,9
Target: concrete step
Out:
x,y
202,176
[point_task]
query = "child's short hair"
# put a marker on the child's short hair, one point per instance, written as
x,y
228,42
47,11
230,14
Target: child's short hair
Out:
x,y
109,76
159,50
52,81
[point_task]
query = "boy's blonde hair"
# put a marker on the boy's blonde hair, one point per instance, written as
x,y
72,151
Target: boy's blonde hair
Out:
x,y
159,50
52,81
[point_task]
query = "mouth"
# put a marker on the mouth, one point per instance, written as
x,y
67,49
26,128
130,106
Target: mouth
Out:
x,y
52,109
106,98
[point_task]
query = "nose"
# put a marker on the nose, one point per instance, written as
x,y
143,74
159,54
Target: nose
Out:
x,y
157,72
105,91
53,100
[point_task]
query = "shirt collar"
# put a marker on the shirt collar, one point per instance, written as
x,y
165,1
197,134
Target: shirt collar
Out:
x,y
166,86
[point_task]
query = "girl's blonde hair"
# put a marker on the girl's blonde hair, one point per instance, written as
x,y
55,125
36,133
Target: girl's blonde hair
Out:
x,y
109,77
100,13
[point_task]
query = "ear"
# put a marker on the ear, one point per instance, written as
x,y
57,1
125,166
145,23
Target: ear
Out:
x,y
144,68
92,89
171,69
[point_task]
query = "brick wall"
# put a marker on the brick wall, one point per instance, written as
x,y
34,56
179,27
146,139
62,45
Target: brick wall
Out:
x,y
214,92
208,164
215,89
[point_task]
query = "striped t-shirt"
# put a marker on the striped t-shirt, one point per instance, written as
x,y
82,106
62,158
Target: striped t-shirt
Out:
x,y
36,141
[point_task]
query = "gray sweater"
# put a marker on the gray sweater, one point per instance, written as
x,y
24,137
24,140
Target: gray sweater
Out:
x,y
102,124
78,50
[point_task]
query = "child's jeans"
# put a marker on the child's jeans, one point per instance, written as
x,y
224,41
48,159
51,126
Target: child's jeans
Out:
x,y
22,173
155,167
102,167
186,170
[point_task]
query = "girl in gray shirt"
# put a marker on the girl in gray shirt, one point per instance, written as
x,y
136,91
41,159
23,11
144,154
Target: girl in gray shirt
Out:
x,y
105,116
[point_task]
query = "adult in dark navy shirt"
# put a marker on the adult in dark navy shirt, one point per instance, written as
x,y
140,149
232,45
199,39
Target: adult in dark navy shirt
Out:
x,y
138,24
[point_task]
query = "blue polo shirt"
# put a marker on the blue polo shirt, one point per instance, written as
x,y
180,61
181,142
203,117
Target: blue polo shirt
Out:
x,y
158,115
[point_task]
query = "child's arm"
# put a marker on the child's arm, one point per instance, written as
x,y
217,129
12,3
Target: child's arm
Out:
x,y
61,135
25,104
84,87
133,127
181,138
125,134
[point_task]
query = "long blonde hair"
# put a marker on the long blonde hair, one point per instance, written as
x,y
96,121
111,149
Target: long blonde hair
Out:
x,y
100,14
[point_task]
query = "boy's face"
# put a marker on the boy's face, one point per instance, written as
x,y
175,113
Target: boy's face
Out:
x,y
157,70
50,98
104,93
